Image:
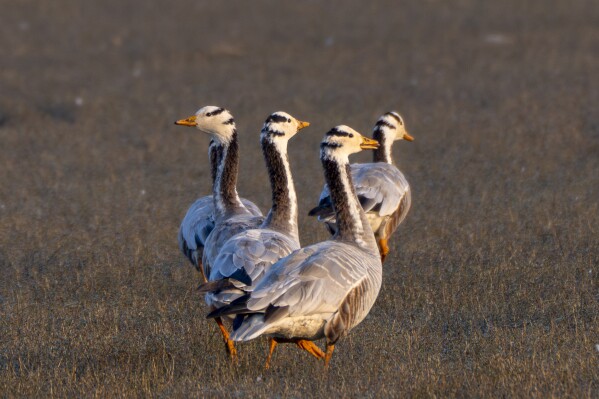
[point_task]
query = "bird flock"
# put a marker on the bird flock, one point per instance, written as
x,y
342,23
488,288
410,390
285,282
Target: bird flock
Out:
x,y
257,279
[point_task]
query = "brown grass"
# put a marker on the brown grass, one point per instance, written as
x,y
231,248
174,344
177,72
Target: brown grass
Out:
x,y
492,285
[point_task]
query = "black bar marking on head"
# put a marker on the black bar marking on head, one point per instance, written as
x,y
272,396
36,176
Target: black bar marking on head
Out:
x,y
340,133
382,122
217,111
276,118
330,145
229,121
394,116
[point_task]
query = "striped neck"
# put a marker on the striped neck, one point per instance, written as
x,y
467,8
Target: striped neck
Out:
x,y
213,155
383,153
283,214
224,190
352,224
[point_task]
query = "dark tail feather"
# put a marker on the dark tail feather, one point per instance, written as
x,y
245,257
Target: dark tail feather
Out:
x,y
242,276
319,211
238,321
238,306
216,285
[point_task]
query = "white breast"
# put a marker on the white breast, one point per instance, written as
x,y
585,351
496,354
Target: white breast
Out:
x,y
303,327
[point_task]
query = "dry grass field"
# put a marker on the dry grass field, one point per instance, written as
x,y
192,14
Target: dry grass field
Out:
x,y
492,286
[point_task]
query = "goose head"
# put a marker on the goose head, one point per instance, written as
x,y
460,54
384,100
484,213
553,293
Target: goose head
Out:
x,y
392,126
279,127
215,121
342,141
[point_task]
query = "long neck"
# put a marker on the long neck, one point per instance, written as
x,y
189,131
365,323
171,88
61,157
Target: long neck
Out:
x,y
224,189
383,153
213,155
283,214
352,224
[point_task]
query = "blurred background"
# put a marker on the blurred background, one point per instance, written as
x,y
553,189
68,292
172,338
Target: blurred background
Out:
x,y
491,287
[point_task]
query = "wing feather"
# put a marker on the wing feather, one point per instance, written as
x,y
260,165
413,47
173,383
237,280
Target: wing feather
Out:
x,y
312,281
197,225
381,188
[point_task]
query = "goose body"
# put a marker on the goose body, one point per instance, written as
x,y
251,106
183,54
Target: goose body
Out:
x,y
245,257
229,214
383,191
199,221
322,290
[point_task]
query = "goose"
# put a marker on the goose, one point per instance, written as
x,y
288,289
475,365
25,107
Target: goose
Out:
x,y
382,189
230,216
325,289
198,221
245,257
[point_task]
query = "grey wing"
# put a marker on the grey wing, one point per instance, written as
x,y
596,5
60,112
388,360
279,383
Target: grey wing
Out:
x,y
195,228
222,232
380,187
316,280
389,226
251,253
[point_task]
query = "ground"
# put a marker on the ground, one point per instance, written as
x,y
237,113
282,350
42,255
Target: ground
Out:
x,y
491,287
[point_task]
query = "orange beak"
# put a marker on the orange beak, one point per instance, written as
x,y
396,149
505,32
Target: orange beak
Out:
x,y
407,137
302,124
191,121
369,144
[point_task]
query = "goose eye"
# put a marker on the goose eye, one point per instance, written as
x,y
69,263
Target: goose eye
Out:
x,y
209,114
351,135
288,120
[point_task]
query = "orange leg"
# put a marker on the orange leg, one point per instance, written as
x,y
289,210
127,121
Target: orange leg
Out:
x,y
271,349
383,248
306,345
230,346
201,269
327,359
311,348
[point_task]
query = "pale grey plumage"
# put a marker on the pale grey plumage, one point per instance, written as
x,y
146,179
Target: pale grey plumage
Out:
x,y
253,251
382,190
250,253
198,224
229,213
222,232
312,284
325,289
200,219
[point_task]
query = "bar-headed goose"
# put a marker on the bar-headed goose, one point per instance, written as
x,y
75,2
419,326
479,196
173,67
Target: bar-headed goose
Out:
x,y
230,215
245,257
199,221
382,189
326,289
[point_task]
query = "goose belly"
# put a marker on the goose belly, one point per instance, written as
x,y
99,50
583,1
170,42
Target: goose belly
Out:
x,y
301,327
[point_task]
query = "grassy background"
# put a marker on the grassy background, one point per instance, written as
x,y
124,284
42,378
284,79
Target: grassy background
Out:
x,y
492,285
